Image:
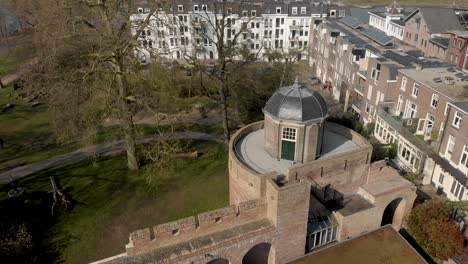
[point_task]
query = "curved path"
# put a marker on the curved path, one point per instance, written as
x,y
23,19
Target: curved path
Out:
x,y
98,150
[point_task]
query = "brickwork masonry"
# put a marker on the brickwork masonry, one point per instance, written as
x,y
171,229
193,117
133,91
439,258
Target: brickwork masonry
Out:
x,y
170,233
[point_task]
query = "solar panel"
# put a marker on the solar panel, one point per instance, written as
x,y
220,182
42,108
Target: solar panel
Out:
x,y
459,75
378,36
351,22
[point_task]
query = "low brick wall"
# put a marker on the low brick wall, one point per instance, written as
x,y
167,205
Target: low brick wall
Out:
x,y
244,183
182,230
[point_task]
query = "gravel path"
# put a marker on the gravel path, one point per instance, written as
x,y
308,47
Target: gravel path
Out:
x,y
98,150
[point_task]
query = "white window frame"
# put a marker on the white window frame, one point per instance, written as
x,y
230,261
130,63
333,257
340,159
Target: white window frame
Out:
x,y
294,10
457,119
278,10
196,8
434,100
441,178
253,13
180,8
404,81
450,146
464,159
289,134
415,91
303,10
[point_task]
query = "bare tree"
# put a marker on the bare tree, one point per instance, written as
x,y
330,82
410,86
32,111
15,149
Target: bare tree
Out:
x,y
217,28
87,49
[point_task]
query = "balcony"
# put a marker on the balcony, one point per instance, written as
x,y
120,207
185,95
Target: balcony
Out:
x,y
359,88
399,125
358,106
294,26
293,37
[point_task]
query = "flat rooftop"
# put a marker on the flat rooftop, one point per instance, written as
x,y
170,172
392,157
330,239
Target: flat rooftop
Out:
x,y
250,150
383,245
435,79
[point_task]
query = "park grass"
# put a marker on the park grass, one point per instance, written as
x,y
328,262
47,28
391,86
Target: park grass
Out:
x,y
8,64
29,135
109,201
413,3
26,131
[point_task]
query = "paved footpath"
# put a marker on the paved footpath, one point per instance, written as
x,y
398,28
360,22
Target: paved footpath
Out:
x,y
104,149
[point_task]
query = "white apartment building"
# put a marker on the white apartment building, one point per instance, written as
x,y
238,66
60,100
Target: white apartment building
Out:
x,y
186,29
391,22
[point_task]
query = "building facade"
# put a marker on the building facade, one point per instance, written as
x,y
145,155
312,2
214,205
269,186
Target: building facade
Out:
x,y
427,29
191,29
405,95
447,169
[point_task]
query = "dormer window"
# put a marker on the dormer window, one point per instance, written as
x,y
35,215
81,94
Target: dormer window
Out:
x,y
140,10
253,13
195,8
303,10
204,8
245,13
294,10
278,10
180,8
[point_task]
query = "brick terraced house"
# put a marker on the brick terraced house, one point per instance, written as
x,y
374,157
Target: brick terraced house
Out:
x,y
389,83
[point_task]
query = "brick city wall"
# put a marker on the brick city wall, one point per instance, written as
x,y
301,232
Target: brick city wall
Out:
x,y
346,172
182,230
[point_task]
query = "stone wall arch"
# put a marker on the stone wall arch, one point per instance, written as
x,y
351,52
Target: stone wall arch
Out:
x,y
219,261
262,253
394,212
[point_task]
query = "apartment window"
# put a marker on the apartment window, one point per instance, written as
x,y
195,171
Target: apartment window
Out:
x,y
404,80
303,10
278,10
294,10
415,90
410,110
457,120
441,178
464,157
435,100
180,8
289,134
450,145
375,74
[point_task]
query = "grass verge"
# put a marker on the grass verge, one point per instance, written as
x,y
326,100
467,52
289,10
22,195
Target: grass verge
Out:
x,y
109,202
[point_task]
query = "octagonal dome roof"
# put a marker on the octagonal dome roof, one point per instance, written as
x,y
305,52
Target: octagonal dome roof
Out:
x,y
296,103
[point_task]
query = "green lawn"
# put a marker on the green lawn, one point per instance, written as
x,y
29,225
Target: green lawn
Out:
x,y
8,64
26,132
416,3
110,202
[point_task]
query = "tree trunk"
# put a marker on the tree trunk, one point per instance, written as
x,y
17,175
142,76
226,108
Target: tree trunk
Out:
x,y
126,118
224,109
